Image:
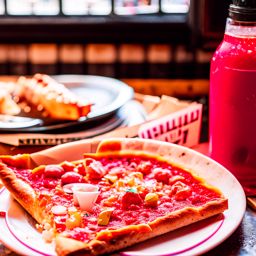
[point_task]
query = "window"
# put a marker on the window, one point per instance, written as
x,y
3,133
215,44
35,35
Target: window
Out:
x,y
86,7
32,7
91,7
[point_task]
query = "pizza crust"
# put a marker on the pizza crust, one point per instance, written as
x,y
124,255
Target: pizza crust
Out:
x,y
20,190
130,235
68,246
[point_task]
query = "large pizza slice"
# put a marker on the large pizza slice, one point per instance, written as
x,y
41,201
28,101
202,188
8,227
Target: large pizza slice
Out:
x,y
130,190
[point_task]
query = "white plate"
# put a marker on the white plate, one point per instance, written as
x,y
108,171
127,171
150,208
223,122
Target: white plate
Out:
x,y
106,94
19,234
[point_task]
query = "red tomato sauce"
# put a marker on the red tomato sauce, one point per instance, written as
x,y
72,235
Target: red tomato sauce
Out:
x,y
126,182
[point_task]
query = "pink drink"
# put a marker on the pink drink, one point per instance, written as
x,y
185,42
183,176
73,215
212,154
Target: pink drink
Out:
x,y
233,105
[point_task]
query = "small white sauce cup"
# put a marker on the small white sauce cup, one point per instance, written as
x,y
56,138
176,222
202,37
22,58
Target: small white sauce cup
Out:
x,y
85,195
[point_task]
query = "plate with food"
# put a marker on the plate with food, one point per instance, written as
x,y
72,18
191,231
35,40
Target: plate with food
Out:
x,y
122,196
44,104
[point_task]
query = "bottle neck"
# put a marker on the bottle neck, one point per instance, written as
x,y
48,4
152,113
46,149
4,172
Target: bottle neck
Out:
x,y
240,28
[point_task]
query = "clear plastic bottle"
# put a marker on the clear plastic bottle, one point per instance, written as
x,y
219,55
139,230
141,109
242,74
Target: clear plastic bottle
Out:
x,y
233,96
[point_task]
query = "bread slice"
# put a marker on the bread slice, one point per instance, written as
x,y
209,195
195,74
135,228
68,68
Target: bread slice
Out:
x,y
58,102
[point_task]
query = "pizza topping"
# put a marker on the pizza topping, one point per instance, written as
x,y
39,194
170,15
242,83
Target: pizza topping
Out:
x,y
144,167
60,223
104,217
81,169
143,190
94,169
111,178
110,201
53,171
175,178
71,177
59,210
138,175
151,199
131,182
74,220
130,199
151,184
162,175
181,191
119,171
50,183
120,184
72,209
68,166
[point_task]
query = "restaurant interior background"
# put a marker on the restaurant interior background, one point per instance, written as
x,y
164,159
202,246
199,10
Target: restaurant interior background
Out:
x,y
156,46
